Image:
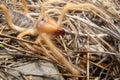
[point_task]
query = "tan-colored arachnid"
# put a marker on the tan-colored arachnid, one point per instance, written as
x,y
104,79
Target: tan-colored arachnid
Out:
x,y
45,26
26,25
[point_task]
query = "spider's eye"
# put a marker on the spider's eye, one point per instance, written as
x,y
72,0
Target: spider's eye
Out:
x,y
42,20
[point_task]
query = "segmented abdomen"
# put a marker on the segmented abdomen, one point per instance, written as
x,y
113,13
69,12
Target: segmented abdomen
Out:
x,y
21,20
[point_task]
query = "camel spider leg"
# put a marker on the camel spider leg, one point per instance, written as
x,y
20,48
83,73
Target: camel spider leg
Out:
x,y
42,48
35,48
71,6
13,2
26,10
25,6
58,55
27,32
9,20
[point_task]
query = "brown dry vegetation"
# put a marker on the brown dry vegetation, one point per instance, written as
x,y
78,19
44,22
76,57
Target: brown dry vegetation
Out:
x,y
91,44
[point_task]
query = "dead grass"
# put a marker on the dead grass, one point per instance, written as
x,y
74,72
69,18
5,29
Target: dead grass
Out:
x,y
91,43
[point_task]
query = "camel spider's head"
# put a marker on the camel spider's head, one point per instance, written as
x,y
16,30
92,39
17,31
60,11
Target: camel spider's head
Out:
x,y
49,26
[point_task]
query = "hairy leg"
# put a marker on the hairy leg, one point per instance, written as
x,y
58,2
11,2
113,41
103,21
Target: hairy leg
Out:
x,y
26,10
9,20
88,6
58,56
42,50
27,32
25,6
13,2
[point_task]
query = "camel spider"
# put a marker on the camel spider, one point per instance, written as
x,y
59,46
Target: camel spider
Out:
x,y
45,26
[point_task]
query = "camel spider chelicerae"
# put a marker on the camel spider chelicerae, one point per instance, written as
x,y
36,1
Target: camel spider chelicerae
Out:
x,y
45,26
